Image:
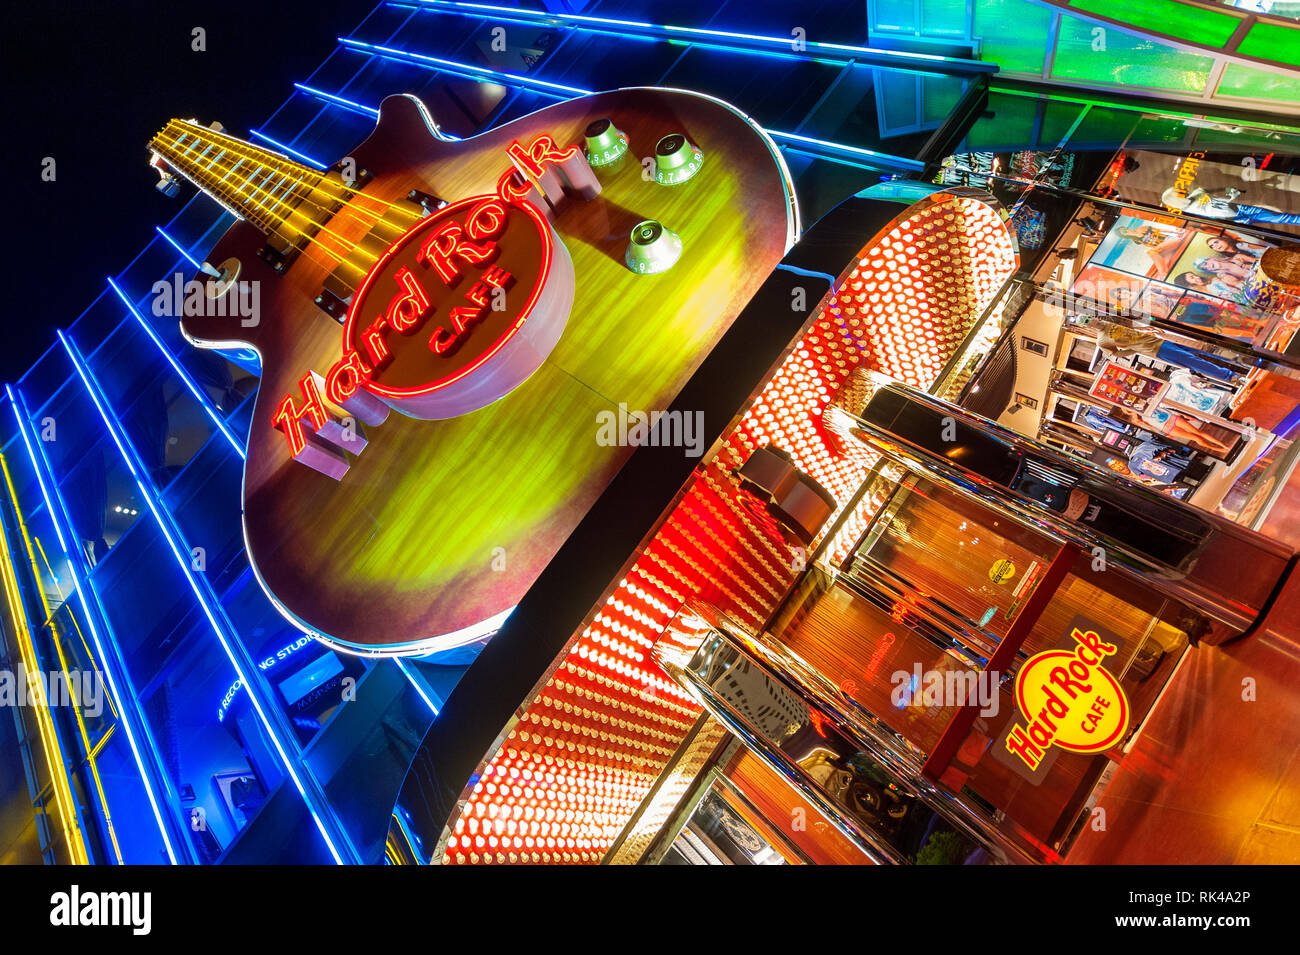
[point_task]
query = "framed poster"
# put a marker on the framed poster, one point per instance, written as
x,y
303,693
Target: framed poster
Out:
x,y
1128,387
1217,264
1142,246
1115,290
1159,300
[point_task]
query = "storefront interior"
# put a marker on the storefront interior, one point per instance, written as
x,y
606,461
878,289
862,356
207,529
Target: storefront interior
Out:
x,y
1146,344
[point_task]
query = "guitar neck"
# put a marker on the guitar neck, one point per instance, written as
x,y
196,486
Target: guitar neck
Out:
x,y
282,198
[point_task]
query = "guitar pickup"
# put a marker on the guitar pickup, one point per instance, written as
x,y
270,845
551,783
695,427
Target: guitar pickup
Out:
x,y
428,203
332,305
278,256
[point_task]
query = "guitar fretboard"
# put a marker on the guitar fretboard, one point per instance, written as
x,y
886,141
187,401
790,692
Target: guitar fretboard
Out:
x,y
280,197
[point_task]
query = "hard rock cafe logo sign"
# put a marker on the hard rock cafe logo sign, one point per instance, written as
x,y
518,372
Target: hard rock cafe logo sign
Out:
x,y
455,314
1070,700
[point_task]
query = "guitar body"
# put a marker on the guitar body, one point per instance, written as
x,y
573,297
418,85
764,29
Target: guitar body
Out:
x,y
439,527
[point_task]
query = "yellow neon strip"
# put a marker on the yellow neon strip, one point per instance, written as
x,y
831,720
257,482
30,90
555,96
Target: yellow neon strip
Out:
x,y
53,576
44,723
63,662
63,667
73,617
103,740
112,705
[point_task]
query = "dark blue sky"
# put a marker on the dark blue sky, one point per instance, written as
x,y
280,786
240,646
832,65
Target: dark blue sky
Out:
x,y
89,84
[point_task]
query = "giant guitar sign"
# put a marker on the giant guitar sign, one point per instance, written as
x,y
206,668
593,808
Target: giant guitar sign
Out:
x,y
440,337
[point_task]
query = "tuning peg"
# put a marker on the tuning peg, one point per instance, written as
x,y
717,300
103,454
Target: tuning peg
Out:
x,y
167,183
606,143
676,160
653,248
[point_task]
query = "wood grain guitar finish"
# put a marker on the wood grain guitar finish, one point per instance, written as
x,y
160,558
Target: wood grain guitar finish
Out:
x,y
440,527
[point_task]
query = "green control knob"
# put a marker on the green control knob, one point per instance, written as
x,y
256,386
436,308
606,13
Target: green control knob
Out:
x,y
676,160
653,248
606,143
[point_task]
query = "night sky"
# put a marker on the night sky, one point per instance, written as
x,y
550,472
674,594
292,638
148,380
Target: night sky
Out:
x,y
89,84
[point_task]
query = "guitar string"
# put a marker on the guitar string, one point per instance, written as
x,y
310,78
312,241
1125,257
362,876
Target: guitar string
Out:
x,y
282,224
240,151
300,176
266,208
277,221
253,151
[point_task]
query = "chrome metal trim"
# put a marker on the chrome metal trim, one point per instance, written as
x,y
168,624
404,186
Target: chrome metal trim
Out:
x,y
881,744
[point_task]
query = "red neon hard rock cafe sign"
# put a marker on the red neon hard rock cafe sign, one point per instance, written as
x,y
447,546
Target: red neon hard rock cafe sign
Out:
x,y
458,312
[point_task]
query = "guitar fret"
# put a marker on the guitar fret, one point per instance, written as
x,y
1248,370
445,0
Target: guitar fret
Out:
x,y
273,193
242,160
253,187
291,186
270,186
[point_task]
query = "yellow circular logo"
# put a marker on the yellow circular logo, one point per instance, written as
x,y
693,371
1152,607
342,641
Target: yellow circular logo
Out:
x,y
1002,571
1069,699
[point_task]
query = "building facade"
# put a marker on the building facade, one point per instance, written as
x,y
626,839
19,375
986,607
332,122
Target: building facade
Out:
x,y
1074,250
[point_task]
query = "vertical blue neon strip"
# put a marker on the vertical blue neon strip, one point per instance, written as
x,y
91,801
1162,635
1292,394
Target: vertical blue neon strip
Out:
x,y
339,100
178,247
58,518
204,602
289,149
204,401
418,682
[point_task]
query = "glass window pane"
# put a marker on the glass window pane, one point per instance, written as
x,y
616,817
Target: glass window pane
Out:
x,y
1169,17
1250,83
1011,34
895,16
1113,57
944,18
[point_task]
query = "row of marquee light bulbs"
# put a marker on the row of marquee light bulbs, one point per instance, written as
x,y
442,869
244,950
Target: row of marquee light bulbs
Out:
x,y
571,773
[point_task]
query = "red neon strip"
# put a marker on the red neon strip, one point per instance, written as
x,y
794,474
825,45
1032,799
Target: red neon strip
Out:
x,y
360,298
